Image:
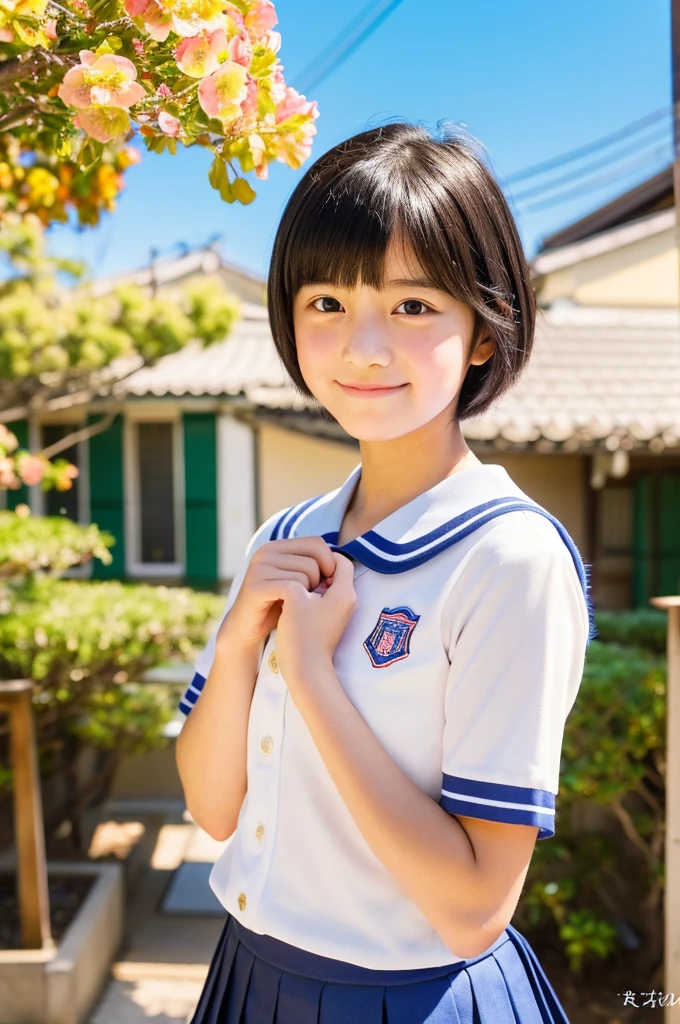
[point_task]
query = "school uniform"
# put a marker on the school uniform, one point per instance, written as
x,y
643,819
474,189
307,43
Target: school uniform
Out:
x,y
464,655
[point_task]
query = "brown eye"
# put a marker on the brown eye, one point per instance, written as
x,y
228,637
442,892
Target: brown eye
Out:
x,y
326,298
412,303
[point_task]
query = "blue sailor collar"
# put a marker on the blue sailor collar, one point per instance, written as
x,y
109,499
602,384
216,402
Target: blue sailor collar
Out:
x,y
425,526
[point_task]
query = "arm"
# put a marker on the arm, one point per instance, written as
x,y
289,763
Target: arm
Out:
x,y
211,749
465,874
212,743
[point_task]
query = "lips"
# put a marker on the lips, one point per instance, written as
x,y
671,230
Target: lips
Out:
x,y
371,390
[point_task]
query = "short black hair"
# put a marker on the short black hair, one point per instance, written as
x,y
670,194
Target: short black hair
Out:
x,y
438,191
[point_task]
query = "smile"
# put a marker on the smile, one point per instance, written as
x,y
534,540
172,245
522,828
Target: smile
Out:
x,y
377,392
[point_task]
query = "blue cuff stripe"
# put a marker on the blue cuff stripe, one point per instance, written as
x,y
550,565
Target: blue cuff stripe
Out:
x,y
198,681
190,696
498,791
495,812
496,801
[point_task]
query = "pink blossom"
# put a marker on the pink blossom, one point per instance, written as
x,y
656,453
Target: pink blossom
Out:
x,y
31,470
50,28
103,123
249,105
8,440
294,103
192,17
136,8
200,55
106,81
139,46
222,92
8,477
164,90
241,49
260,19
168,124
157,21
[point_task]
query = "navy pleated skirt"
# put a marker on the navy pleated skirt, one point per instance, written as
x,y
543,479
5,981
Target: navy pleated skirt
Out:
x,y
257,979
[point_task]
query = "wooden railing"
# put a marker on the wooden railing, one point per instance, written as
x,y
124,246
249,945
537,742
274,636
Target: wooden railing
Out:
x,y
15,700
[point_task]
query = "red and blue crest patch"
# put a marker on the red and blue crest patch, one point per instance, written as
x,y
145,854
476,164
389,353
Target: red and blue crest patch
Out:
x,y
389,640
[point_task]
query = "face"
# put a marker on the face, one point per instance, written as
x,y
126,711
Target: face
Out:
x,y
385,363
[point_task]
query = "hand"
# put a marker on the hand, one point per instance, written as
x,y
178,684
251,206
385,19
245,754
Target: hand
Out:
x,y
277,566
311,624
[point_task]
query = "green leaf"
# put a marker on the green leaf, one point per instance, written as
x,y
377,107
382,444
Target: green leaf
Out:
x,y
243,191
217,175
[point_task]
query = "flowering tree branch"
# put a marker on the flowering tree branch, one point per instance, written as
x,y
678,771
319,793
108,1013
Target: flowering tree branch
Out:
x,y
81,78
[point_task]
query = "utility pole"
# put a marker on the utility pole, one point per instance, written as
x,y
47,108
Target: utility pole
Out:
x,y
675,67
671,982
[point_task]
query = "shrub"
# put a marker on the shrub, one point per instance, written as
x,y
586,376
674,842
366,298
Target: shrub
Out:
x,y
86,645
600,884
642,627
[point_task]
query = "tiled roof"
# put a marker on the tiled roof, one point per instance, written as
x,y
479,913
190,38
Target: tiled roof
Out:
x,y
596,375
601,375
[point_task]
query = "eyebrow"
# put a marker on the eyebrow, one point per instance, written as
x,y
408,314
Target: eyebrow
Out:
x,y
413,282
399,282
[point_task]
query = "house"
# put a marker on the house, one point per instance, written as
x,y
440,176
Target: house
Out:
x,y
213,441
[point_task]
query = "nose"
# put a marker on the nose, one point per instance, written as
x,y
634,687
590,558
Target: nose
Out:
x,y
367,343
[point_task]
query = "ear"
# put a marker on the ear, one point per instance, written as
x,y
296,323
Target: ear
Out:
x,y
484,349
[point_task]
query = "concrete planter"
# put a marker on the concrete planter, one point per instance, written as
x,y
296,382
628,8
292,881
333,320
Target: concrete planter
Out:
x,y
61,985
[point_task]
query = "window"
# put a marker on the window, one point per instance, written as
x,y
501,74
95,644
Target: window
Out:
x,y
614,558
156,492
62,503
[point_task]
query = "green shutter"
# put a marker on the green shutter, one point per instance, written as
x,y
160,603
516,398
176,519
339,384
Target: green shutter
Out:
x,y
669,535
642,542
200,490
20,496
106,493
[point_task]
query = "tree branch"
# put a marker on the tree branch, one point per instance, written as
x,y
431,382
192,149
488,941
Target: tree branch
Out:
x,y
67,401
631,832
81,435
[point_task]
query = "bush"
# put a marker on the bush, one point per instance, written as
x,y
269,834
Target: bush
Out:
x,y
643,627
86,645
30,544
608,885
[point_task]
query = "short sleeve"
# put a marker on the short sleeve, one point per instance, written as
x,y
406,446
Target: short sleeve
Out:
x,y
517,632
204,661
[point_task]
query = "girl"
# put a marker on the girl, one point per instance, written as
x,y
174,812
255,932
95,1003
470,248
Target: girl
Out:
x,y
382,707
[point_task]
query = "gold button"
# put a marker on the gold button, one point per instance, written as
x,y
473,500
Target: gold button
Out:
x,y
259,831
273,663
266,745
241,901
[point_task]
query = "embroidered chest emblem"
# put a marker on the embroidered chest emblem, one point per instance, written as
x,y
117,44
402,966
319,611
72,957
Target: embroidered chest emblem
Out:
x,y
390,637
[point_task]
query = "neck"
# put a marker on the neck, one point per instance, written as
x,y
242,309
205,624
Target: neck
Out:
x,y
394,472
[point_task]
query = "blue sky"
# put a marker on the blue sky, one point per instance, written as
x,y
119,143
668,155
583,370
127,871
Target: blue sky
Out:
x,y
530,79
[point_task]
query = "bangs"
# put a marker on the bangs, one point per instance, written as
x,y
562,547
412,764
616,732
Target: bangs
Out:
x,y
341,237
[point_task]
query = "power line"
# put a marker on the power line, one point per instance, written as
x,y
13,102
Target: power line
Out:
x,y
607,161
596,183
345,43
601,143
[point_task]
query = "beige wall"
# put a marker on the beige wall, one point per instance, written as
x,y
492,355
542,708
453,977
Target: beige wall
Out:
x,y
293,467
555,481
644,273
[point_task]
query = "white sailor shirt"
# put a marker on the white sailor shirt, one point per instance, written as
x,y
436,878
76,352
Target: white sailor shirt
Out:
x,y
464,655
